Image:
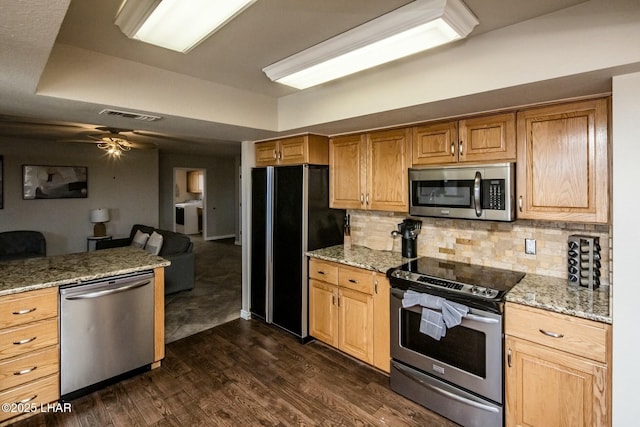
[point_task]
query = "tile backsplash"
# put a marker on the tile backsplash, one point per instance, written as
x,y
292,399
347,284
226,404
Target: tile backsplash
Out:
x,y
495,244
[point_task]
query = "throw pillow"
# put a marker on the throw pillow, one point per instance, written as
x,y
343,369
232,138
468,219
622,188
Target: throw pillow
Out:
x,y
154,243
139,240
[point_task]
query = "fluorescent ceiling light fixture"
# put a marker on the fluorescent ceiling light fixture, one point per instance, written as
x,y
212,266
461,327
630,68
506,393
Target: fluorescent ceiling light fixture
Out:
x,y
178,25
418,26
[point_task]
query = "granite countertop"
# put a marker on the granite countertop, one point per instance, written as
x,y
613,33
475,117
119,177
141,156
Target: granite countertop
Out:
x,y
38,273
361,257
544,292
555,294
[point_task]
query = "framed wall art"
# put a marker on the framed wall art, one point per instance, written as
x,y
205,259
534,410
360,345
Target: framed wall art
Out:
x,y
54,182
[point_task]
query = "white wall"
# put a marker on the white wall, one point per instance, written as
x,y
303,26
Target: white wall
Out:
x,y
128,187
626,238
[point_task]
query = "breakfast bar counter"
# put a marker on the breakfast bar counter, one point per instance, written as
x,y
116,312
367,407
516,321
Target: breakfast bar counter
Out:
x,y
44,272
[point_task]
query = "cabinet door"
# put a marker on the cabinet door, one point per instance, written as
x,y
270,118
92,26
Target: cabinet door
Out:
x,y
562,167
546,387
387,170
356,324
489,138
323,312
266,153
346,166
292,151
381,331
435,143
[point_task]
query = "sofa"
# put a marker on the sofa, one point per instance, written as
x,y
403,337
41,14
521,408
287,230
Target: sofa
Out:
x,y
22,244
176,247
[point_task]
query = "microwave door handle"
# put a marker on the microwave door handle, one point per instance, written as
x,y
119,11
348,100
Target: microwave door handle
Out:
x,y
476,194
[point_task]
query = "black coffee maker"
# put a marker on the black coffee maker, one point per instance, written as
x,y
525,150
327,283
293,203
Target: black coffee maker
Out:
x,y
409,229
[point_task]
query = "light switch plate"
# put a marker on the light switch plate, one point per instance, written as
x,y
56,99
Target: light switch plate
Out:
x,y
530,246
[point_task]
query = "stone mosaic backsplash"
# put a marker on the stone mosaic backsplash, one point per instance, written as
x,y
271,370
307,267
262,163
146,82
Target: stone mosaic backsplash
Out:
x,y
495,244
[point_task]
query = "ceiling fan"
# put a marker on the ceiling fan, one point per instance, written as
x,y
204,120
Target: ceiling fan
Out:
x,y
112,140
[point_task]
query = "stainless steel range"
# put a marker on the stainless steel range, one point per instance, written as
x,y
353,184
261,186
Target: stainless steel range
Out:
x,y
459,375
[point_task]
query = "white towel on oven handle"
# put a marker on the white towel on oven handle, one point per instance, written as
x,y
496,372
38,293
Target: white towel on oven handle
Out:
x,y
450,315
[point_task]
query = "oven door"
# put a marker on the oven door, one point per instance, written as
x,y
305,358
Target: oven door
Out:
x,y
469,356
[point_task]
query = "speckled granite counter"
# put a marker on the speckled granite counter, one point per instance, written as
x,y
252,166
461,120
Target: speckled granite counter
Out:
x,y
38,273
548,293
361,257
554,294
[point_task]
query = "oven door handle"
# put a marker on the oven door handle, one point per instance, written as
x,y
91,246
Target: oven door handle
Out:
x,y
445,393
399,294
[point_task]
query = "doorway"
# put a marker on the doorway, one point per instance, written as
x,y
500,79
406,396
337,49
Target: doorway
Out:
x,y
189,200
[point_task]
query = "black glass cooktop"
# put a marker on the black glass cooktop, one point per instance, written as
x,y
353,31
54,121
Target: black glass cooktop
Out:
x,y
467,282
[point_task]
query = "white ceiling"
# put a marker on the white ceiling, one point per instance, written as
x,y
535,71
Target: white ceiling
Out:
x,y
234,56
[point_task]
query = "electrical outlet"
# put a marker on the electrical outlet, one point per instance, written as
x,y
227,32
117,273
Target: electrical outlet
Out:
x,y
530,246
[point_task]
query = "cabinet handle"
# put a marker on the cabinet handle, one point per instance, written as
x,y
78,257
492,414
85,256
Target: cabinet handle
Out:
x,y
25,341
25,311
27,400
353,281
460,149
338,300
453,148
375,286
321,272
362,198
279,155
25,371
275,155
367,199
551,334
333,299
509,358
520,203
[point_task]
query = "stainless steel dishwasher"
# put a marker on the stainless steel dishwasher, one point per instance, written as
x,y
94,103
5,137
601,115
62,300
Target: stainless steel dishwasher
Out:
x,y
106,330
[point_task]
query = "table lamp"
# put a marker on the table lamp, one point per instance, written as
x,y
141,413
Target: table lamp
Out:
x,y
99,217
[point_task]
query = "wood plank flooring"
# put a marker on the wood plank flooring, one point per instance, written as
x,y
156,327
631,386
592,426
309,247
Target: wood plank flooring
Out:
x,y
246,373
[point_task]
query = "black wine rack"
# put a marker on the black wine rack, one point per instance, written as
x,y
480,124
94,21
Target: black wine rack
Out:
x,y
584,261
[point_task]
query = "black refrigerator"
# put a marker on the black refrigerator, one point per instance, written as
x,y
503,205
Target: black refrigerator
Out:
x,y
290,215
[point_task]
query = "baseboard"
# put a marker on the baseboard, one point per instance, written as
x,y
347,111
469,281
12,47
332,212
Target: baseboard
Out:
x,y
237,243
226,236
246,315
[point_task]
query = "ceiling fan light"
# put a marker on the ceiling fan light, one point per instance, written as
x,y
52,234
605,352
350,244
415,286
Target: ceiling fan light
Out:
x,y
175,24
418,26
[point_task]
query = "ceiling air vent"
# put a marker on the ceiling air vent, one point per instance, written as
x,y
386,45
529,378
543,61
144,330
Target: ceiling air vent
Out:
x,y
131,115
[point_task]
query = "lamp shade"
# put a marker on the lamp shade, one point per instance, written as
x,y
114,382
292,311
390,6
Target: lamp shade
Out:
x,y
99,215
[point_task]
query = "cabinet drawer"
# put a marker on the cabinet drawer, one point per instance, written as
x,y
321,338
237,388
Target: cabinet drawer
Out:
x,y
574,335
35,393
356,279
323,271
31,366
23,339
26,307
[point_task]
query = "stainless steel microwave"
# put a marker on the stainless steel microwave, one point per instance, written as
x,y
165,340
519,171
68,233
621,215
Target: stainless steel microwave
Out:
x,y
483,192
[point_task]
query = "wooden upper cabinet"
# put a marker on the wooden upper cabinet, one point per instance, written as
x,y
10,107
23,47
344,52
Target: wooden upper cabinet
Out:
x,y
301,149
387,170
346,171
435,143
562,166
477,139
370,171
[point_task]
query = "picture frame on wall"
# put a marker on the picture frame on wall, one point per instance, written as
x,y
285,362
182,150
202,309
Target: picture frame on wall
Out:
x,y
54,182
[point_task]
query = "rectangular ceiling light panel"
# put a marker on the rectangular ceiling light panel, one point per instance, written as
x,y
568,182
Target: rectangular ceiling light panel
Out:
x,y
413,28
176,24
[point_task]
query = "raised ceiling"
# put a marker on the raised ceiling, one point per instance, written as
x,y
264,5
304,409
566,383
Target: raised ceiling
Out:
x,y
267,31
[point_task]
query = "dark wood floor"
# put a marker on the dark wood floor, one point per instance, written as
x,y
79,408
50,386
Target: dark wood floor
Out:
x,y
246,373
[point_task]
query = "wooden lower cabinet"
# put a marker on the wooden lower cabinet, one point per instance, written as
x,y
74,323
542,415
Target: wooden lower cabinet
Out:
x,y
548,381
29,352
346,311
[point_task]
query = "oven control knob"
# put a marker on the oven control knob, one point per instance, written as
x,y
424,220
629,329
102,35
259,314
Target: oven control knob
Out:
x,y
475,290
